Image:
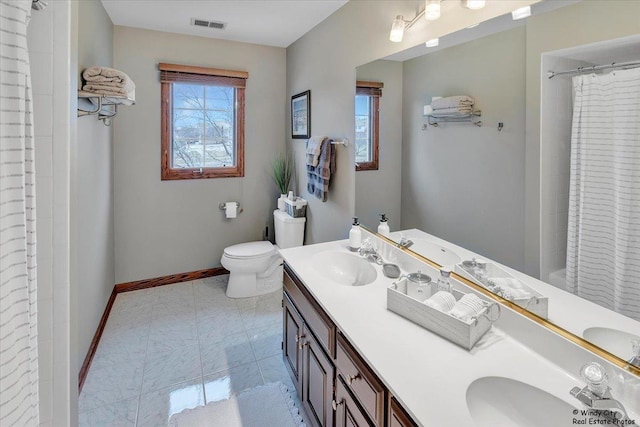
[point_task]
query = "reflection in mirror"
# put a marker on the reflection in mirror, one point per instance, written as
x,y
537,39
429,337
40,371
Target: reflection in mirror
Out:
x,y
563,160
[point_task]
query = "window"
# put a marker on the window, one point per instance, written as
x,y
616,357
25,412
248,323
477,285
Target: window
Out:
x,y
202,122
367,124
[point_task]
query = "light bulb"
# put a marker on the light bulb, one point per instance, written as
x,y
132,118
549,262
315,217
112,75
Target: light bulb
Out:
x,y
475,4
523,12
397,29
432,10
432,43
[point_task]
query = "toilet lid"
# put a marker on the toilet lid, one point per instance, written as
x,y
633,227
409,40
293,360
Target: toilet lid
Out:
x,y
249,250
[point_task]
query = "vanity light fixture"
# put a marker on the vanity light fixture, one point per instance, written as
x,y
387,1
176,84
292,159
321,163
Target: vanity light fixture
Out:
x,y
400,25
523,12
432,9
432,43
475,4
397,29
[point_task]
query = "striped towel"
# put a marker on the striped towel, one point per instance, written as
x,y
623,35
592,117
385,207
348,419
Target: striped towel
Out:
x,y
453,102
314,145
319,177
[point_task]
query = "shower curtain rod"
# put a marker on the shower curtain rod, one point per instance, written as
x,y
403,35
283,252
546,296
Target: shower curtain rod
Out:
x,y
593,69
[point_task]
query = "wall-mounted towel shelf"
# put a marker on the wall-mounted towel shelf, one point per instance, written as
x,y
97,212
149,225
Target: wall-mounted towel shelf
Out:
x,y
470,118
103,106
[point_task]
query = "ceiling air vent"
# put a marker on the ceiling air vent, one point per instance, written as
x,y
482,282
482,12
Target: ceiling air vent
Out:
x,y
209,24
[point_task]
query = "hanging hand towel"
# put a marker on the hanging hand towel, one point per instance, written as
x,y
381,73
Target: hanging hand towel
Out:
x,y
319,177
314,145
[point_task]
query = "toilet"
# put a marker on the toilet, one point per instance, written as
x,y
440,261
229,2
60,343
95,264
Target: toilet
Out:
x,y
255,268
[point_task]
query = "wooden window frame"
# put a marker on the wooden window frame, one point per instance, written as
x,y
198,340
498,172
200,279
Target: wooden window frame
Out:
x,y
374,91
174,73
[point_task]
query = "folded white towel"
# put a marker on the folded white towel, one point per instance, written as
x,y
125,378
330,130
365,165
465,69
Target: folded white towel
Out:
x,y
452,112
109,82
105,74
452,102
314,145
508,282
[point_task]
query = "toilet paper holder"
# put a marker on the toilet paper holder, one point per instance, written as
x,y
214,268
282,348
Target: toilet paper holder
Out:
x,y
223,207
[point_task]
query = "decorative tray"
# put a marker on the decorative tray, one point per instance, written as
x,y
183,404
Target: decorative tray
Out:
x,y
403,299
535,302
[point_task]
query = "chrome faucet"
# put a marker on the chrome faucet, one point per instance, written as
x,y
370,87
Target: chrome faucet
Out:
x,y
405,243
596,394
369,251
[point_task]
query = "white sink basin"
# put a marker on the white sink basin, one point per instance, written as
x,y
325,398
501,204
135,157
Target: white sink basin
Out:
x,y
614,341
435,252
497,401
344,268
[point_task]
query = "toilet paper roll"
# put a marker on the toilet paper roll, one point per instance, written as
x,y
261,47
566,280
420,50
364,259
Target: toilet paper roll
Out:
x,y
231,209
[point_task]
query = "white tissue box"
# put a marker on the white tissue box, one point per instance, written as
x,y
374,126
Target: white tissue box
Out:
x,y
296,208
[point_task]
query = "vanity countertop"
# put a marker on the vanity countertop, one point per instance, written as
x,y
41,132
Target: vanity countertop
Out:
x,y
426,373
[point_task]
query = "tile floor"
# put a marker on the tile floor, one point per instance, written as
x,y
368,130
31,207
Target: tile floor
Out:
x,y
174,347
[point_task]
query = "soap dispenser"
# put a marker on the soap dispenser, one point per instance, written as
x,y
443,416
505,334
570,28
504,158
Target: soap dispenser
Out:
x,y
383,227
355,235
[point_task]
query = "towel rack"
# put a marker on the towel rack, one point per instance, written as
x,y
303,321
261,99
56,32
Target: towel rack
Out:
x,y
470,118
344,142
101,101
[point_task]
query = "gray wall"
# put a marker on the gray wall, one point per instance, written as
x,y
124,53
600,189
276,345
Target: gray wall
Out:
x,y
378,191
169,227
460,182
324,61
583,23
92,183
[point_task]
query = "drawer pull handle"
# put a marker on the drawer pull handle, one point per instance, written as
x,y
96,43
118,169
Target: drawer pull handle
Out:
x,y
352,378
335,404
302,344
299,337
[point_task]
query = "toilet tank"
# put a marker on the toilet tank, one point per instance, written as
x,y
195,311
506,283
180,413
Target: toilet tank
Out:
x,y
289,230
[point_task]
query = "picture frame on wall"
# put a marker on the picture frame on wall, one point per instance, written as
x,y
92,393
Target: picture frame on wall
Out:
x,y
301,115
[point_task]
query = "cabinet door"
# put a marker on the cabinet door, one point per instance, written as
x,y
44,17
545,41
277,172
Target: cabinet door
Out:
x,y
348,413
397,416
317,382
292,332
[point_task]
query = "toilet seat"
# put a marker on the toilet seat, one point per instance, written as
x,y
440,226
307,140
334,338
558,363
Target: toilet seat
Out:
x,y
249,250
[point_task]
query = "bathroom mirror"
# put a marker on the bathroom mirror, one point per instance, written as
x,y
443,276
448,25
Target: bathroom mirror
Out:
x,y
502,190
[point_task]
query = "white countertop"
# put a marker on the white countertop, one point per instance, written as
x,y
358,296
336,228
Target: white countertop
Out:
x,y
426,373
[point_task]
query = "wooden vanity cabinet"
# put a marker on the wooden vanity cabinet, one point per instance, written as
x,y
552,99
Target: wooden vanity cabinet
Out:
x,y
333,381
308,337
293,332
318,375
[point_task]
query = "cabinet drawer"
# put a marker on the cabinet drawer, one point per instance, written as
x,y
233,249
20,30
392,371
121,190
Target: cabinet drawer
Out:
x,y
364,384
348,412
313,315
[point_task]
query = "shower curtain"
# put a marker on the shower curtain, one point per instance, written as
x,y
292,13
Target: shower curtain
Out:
x,y
603,242
18,328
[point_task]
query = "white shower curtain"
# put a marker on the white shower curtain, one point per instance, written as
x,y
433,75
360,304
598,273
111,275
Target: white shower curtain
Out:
x,y
18,328
603,242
